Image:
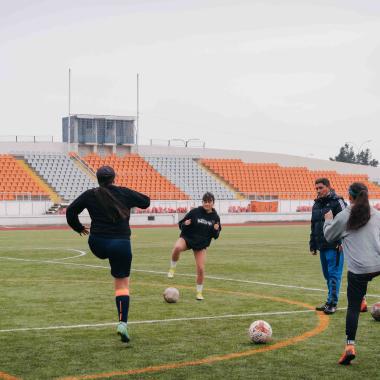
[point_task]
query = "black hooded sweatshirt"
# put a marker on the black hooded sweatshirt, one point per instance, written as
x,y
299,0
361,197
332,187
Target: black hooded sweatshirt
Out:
x,y
199,233
101,224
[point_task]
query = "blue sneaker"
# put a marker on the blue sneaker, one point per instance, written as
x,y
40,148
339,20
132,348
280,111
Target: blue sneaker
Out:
x,y
123,332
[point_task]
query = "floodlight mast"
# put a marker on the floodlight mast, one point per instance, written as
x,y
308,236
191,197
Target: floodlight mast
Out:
x,y
69,119
137,110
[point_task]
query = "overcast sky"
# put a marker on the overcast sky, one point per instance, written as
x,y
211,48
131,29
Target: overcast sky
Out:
x,y
289,76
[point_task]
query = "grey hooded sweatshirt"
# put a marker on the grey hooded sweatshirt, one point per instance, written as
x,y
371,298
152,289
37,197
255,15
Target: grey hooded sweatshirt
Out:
x,y
361,247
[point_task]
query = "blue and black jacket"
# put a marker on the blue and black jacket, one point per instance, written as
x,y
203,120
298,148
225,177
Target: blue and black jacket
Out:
x,y
321,206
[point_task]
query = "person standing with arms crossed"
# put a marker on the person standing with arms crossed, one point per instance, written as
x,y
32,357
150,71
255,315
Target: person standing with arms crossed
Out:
x,y
359,227
197,227
109,208
329,252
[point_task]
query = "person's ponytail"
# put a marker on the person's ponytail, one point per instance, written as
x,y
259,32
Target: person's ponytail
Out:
x,y
113,208
361,209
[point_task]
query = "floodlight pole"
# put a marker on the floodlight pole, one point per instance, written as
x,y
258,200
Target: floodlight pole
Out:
x,y
69,121
137,111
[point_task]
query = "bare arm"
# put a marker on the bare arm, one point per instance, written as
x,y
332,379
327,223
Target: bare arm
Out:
x,y
334,229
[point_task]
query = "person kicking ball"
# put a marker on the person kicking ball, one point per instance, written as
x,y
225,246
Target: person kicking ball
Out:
x,y
198,227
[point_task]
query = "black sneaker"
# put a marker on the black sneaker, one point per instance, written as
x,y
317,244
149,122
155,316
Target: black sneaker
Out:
x,y
322,307
330,309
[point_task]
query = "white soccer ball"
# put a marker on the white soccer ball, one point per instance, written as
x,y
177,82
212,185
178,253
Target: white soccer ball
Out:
x,y
260,332
171,295
375,311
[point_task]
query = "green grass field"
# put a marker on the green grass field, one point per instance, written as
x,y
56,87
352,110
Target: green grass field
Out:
x,y
43,286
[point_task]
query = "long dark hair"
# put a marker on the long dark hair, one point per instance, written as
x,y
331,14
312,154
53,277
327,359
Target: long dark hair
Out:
x,y
361,210
112,207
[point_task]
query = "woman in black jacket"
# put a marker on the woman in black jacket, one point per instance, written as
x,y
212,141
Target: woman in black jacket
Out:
x,y
109,208
198,227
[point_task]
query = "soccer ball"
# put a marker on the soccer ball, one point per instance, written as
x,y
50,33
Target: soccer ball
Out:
x,y
260,332
171,295
375,311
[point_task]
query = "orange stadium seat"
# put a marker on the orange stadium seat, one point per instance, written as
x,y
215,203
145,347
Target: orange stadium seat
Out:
x,y
134,172
283,182
14,179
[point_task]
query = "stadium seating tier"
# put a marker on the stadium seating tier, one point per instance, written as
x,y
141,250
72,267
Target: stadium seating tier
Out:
x,y
16,182
134,172
61,173
189,176
271,179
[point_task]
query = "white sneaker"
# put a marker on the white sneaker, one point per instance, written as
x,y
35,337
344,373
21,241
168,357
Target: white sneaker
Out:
x,y
199,296
171,273
123,332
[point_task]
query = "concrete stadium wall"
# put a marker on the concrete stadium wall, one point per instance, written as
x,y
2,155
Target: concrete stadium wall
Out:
x,y
60,220
21,208
39,208
156,219
222,206
24,208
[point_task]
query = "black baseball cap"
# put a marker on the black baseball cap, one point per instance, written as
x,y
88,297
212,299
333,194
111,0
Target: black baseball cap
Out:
x,y
105,174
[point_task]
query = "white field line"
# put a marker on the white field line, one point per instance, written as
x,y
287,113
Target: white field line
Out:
x,y
234,280
152,321
248,282
55,261
81,253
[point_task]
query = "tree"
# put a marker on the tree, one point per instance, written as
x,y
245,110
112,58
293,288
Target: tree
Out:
x,y
365,158
347,154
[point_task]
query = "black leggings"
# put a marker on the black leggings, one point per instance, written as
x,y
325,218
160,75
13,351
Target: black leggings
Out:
x,y
117,251
356,290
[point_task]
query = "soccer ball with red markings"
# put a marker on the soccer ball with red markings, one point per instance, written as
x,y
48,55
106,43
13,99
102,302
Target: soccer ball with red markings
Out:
x,y
375,311
260,332
171,295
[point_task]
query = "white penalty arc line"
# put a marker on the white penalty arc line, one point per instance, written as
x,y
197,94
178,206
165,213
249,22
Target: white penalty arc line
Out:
x,y
180,274
154,321
81,253
55,261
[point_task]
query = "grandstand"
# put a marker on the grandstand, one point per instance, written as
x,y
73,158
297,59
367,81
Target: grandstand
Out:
x,y
259,179
16,182
61,173
260,186
134,172
189,176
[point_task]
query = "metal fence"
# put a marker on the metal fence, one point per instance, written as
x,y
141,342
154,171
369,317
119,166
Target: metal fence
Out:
x,y
23,204
24,138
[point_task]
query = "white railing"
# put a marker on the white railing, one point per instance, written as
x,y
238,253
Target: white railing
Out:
x,y
24,138
23,204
